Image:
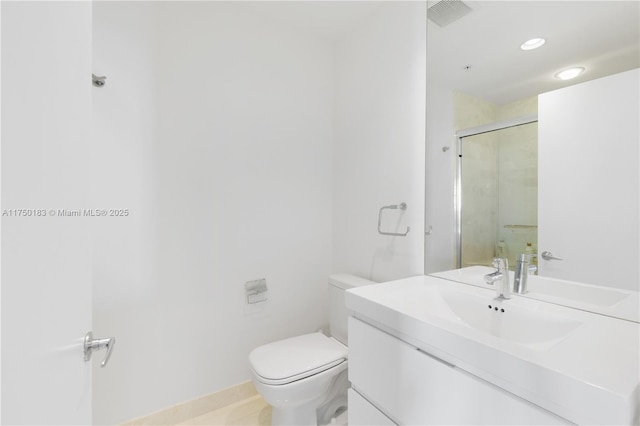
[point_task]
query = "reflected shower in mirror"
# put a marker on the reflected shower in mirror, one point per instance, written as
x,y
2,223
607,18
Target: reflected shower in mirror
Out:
x,y
499,192
497,179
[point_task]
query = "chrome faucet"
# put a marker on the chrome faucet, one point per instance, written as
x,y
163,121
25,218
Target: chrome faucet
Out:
x,y
522,271
503,289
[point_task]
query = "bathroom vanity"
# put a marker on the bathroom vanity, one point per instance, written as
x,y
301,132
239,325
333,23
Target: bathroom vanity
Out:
x,y
430,350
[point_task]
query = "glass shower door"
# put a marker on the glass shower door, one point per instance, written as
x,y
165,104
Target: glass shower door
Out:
x,y
498,184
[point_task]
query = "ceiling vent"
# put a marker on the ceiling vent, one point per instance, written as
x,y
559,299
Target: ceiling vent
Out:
x,y
445,12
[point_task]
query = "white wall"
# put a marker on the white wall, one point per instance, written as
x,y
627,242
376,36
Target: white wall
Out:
x,y
379,143
46,260
440,246
588,156
0,220
122,160
215,130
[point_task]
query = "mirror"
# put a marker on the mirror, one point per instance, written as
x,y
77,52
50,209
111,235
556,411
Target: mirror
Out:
x,y
476,57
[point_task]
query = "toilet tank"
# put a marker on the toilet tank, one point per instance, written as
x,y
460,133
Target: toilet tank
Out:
x,y
338,312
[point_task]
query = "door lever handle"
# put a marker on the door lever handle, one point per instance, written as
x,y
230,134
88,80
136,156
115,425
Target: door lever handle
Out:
x,y
91,345
547,255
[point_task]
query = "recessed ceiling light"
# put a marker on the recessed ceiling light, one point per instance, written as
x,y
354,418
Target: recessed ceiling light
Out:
x,y
534,43
569,73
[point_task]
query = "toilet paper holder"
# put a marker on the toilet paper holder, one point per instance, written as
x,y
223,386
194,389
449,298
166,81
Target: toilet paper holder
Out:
x,y
256,290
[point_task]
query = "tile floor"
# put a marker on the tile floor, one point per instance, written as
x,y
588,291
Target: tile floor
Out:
x,y
253,411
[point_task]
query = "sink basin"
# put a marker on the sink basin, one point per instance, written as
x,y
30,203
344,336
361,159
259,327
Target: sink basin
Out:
x,y
507,319
614,302
518,320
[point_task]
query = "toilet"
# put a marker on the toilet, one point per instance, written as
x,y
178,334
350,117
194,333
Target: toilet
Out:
x,y
304,378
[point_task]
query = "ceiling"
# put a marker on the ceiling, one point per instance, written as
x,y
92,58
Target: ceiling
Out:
x,y
328,19
602,36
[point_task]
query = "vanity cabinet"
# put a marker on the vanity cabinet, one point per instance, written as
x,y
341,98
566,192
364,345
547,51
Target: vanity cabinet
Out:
x,y
363,413
394,382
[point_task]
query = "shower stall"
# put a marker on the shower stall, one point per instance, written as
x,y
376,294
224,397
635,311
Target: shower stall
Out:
x,y
497,191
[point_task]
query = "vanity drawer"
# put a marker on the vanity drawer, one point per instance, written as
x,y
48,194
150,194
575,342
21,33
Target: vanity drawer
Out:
x,y
412,387
362,413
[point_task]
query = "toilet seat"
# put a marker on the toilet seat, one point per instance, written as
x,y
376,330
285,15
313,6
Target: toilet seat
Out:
x,y
296,358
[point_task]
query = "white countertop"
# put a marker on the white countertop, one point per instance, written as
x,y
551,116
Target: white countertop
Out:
x,y
589,376
625,304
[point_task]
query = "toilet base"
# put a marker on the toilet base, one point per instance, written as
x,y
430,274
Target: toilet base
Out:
x,y
318,411
335,402
302,415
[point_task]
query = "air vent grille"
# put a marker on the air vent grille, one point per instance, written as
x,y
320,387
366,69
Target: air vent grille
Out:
x,y
447,11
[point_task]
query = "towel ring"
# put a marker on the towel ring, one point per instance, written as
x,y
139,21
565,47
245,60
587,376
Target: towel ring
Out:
x,y
401,206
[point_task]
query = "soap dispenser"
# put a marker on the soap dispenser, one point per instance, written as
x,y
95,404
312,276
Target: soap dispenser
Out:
x,y
532,252
528,249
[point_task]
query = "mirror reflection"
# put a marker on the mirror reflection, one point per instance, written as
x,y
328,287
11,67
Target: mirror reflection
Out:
x,y
569,184
499,191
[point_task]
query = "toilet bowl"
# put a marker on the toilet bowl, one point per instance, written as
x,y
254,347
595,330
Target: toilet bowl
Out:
x,y
298,376
304,378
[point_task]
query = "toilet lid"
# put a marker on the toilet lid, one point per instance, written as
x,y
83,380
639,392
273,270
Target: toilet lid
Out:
x,y
293,359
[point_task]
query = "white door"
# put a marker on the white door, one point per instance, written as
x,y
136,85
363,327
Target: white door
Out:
x,y
588,181
46,253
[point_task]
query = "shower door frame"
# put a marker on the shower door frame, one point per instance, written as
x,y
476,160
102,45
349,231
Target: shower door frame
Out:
x,y
464,133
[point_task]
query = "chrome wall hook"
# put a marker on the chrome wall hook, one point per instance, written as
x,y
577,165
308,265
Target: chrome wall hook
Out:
x,y
98,81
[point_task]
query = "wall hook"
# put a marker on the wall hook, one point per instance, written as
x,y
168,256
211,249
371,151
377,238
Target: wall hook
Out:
x,y
98,81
